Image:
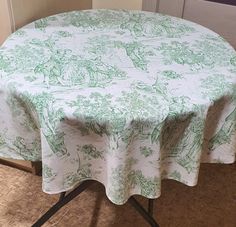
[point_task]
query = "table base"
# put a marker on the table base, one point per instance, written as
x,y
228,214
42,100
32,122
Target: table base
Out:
x,y
64,199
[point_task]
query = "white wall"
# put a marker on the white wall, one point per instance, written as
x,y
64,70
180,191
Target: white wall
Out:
x,y
171,7
5,21
118,4
25,11
218,17
221,18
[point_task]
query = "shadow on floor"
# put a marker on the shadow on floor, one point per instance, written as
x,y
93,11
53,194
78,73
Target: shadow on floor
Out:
x,y
211,203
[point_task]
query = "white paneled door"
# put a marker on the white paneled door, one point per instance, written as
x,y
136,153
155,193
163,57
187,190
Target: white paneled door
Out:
x,y
219,17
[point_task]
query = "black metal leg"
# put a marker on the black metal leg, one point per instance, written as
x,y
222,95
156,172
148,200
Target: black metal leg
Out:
x,y
62,196
150,206
64,199
146,215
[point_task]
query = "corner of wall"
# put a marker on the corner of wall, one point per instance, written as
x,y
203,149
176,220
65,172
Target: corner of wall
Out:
x,y
6,26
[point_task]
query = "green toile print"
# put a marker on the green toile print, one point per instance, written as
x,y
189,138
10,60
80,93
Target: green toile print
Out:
x,y
200,55
181,53
137,52
216,86
71,179
148,185
176,175
186,139
233,61
20,33
63,34
44,23
62,67
105,113
52,68
5,63
170,74
146,151
48,119
38,101
212,49
83,20
227,130
41,24
91,152
19,109
137,104
83,173
188,149
48,172
163,26
99,73
125,178
121,97
2,141
26,58
101,45
172,134
179,105
121,180
21,147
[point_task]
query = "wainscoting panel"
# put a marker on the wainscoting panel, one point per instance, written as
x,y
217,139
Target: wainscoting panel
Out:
x,y
219,17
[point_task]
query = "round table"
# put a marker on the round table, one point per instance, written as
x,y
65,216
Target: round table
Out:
x,y
126,98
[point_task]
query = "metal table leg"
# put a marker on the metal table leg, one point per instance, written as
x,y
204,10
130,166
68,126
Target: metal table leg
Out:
x,y
64,199
147,215
62,196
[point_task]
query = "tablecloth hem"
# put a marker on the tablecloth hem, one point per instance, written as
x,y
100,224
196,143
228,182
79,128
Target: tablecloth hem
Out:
x,y
125,198
106,192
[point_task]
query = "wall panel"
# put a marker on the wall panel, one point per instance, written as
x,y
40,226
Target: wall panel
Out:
x,y
5,20
25,11
219,17
118,4
171,7
150,5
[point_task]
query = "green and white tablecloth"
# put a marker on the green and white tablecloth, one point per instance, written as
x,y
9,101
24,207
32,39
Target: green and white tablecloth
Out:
x,y
123,97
